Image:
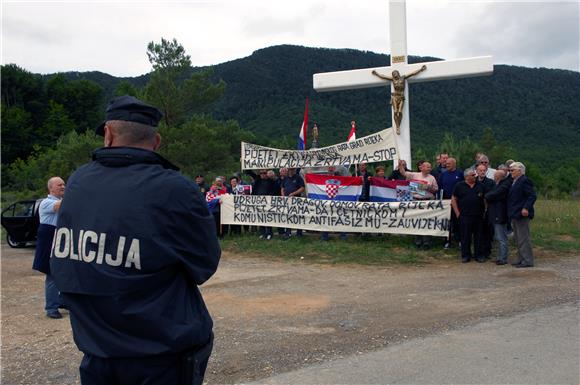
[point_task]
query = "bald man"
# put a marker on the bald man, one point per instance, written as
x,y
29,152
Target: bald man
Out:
x,y
48,212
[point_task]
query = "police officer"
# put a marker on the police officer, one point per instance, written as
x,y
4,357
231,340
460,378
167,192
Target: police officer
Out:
x,y
133,241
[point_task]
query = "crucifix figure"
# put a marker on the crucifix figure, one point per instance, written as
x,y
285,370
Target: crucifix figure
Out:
x,y
438,70
398,96
314,136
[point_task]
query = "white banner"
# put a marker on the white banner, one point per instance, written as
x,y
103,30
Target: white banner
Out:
x,y
379,147
415,217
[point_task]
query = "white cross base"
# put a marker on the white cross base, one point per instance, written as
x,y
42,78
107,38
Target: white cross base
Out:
x,y
437,70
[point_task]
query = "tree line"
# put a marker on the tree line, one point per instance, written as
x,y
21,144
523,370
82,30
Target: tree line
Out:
x,y
48,122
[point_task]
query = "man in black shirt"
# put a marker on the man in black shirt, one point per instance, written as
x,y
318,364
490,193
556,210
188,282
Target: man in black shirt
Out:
x,y
263,185
468,204
486,228
292,186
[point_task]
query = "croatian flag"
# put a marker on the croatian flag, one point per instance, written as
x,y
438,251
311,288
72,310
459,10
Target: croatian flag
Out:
x,y
383,190
303,130
336,188
352,135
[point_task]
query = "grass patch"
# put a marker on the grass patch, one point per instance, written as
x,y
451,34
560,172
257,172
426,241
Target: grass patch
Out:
x,y
368,250
556,225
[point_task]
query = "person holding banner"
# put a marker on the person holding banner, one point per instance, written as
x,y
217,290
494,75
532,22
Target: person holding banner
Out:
x,y
282,174
292,186
423,186
235,188
364,173
396,175
213,203
380,172
335,171
263,186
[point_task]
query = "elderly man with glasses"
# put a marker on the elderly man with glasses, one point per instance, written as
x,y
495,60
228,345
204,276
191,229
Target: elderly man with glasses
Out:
x,y
484,160
520,205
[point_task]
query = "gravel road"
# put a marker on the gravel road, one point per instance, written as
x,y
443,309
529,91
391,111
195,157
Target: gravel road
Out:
x,y
273,317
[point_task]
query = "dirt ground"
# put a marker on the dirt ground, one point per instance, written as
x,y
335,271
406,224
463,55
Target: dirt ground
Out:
x,y
273,316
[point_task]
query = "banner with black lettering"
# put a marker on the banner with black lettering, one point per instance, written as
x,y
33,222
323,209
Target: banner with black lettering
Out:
x,y
379,147
415,217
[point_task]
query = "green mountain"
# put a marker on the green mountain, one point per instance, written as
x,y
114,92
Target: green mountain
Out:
x,y
535,110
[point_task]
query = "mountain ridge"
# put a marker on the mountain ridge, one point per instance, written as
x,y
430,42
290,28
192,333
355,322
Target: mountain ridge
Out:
x,y
266,91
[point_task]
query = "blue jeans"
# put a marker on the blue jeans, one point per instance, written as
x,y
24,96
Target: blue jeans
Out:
x,y
500,235
51,294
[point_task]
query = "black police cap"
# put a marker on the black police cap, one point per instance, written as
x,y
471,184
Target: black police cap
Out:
x,y
130,109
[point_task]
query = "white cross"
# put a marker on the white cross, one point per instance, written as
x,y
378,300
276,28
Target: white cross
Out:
x,y
438,70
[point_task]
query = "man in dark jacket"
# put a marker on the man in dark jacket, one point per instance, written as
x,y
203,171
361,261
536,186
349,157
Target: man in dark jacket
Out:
x,y
520,205
264,186
467,201
486,228
496,200
134,239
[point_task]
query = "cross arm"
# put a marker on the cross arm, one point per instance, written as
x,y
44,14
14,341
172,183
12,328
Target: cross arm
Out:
x,y
436,70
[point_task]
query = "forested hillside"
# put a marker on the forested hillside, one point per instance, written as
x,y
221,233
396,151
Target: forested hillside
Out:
x,y
531,114
536,110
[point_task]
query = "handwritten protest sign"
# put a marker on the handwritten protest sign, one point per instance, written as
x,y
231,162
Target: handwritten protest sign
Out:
x,y
378,147
415,217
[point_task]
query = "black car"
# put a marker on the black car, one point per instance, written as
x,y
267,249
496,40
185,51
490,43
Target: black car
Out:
x,y
21,222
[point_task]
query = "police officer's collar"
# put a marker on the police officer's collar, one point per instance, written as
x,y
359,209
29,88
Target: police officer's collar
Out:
x,y
125,156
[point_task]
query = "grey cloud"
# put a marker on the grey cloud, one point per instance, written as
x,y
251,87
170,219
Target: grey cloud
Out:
x,y
531,34
269,26
20,29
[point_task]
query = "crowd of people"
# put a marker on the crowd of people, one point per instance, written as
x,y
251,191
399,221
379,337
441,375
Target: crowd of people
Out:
x,y
487,204
132,238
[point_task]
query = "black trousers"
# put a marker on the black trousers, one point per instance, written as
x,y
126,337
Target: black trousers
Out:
x,y
470,227
454,232
486,237
187,368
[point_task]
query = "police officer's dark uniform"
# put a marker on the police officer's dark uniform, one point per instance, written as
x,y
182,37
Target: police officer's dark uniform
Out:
x,y
133,242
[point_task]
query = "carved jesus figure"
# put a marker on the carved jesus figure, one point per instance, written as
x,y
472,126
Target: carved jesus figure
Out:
x,y
398,97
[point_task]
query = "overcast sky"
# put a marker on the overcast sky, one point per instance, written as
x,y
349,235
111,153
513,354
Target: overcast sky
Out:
x,y
112,36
